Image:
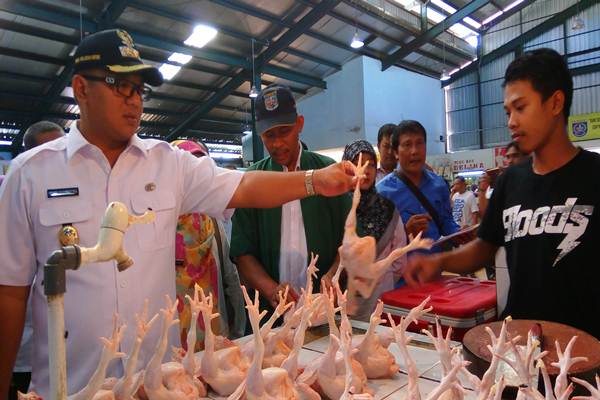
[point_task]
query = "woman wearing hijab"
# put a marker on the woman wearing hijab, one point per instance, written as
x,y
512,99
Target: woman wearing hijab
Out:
x,y
201,257
377,217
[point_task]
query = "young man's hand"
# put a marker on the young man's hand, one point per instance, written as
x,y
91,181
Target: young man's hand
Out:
x,y
422,269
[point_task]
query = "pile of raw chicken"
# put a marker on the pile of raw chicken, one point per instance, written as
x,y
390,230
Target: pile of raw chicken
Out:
x,y
267,366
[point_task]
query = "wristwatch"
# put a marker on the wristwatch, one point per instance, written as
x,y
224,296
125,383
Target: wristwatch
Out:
x,y
308,182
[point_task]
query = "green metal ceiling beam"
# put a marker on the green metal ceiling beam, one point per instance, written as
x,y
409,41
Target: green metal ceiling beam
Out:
x,y
228,31
513,45
71,21
106,19
432,33
27,55
378,15
506,15
261,61
363,27
39,32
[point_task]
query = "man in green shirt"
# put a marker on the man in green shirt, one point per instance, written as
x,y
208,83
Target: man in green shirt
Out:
x,y
272,247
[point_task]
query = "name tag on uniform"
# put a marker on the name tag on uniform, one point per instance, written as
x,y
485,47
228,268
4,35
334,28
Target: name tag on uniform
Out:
x,y
63,192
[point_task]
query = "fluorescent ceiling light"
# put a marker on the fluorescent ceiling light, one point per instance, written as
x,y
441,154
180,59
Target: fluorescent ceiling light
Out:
x,y
229,156
5,142
513,4
247,130
454,71
214,146
180,58
492,17
201,35
471,173
466,64
451,10
168,71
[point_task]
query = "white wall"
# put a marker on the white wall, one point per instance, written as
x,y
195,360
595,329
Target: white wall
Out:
x,y
335,117
396,94
360,98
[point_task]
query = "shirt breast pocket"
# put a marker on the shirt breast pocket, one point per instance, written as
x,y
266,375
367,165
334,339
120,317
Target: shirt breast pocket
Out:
x,y
67,211
160,233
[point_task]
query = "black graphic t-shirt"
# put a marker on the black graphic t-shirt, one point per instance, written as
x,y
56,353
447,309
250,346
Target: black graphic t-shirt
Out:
x,y
549,225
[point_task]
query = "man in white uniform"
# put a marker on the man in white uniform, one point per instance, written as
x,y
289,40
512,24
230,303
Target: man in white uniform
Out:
x,y
68,183
464,204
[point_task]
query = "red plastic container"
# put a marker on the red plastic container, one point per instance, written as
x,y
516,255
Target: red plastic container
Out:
x,y
459,302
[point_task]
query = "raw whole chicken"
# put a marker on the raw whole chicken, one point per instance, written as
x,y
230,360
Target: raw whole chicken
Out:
x,y
449,381
358,254
170,381
265,384
377,361
329,370
223,370
93,390
277,343
127,386
349,390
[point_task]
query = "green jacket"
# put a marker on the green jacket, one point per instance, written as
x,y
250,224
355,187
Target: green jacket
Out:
x,y
257,232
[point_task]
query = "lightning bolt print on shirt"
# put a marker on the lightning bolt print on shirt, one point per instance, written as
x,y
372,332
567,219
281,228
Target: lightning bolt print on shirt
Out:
x,y
566,219
550,227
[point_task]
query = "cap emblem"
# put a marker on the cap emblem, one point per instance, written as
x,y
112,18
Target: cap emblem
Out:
x,y
129,52
271,101
125,38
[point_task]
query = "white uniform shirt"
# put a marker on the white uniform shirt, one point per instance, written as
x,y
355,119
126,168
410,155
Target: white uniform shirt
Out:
x,y
293,256
463,207
148,174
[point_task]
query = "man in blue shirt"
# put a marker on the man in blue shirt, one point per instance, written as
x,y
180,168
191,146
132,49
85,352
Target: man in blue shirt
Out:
x,y
409,141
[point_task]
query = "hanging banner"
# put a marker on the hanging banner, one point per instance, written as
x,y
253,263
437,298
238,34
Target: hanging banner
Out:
x,y
584,127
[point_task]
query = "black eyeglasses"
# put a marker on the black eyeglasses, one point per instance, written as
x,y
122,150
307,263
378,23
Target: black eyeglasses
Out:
x,y
123,87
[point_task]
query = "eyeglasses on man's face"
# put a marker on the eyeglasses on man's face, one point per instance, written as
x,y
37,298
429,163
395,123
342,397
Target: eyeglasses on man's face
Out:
x,y
122,86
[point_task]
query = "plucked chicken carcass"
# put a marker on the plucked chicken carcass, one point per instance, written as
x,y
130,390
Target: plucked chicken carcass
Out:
x,y
358,254
377,361
126,387
328,372
277,343
225,369
93,390
265,384
170,381
349,390
450,381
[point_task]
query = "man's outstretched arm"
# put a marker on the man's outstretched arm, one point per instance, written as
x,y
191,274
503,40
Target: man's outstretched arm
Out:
x,y
464,260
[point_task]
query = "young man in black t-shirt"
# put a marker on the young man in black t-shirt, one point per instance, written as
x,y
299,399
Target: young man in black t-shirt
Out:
x,y
544,211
